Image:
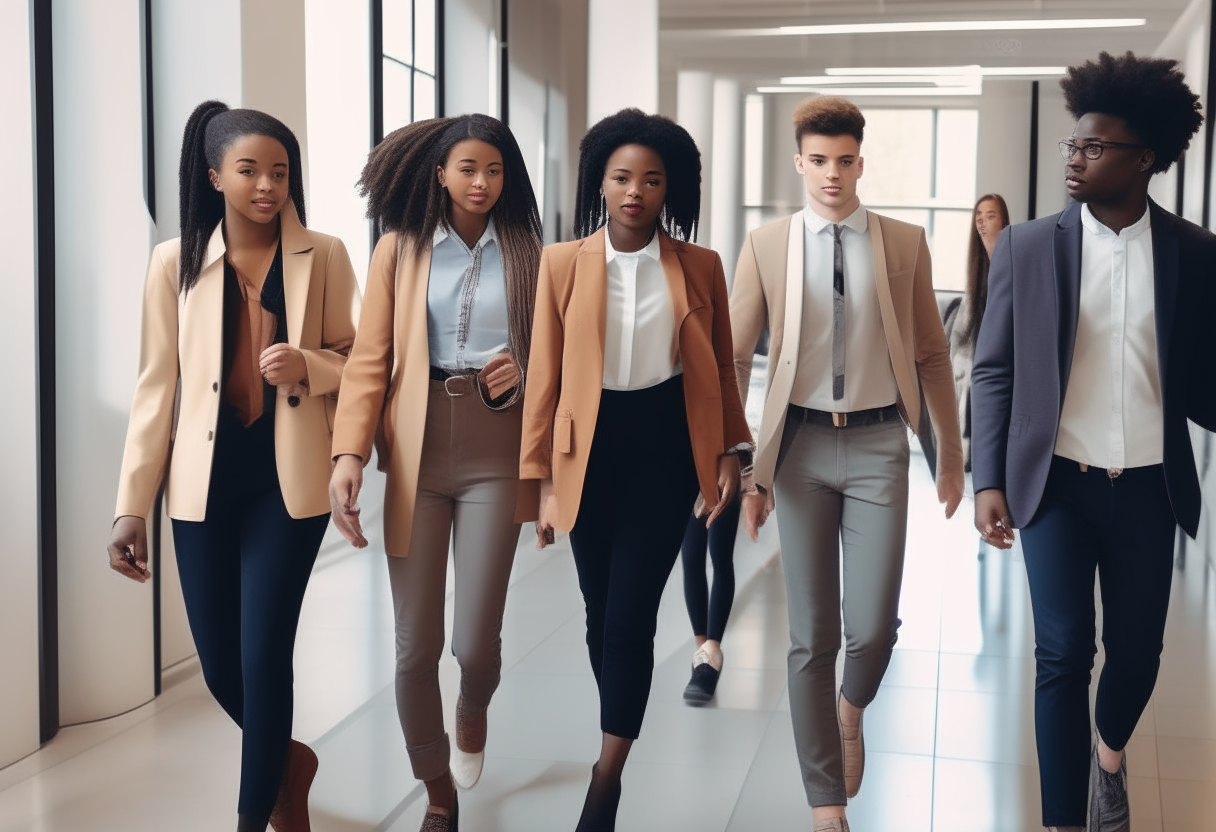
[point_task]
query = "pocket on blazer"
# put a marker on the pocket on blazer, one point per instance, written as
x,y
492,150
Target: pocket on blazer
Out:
x,y
563,423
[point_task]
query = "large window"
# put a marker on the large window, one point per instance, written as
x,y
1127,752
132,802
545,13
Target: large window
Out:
x,y
921,167
409,62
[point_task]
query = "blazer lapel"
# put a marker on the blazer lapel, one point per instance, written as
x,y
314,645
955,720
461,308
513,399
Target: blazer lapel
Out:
x,y
591,284
1066,251
908,385
297,270
1165,281
677,284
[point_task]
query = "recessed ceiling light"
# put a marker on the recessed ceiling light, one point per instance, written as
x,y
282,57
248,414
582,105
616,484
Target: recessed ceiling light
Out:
x,y
921,71
913,26
959,26
875,91
829,80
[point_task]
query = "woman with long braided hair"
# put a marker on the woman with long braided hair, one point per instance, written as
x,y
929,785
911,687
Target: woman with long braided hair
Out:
x,y
435,382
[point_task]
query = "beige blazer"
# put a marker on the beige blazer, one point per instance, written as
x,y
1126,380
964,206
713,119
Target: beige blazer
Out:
x,y
386,384
181,351
566,370
769,287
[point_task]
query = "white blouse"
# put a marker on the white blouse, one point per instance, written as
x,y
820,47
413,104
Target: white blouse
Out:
x,y
640,346
466,300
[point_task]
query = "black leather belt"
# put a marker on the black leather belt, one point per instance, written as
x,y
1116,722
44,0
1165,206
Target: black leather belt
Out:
x,y
440,374
856,419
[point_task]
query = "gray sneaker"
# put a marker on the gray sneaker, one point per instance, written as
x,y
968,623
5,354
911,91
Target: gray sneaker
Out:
x,y
1108,807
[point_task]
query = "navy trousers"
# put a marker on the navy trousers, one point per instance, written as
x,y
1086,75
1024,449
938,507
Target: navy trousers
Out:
x,y
1122,529
709,606
243,574
638,492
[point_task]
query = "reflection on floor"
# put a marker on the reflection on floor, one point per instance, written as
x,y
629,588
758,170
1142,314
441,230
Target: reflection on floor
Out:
x,y
950,736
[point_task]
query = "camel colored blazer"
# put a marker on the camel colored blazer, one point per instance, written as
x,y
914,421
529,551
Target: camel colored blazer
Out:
x,y
182,351
386,384
769,287
566,373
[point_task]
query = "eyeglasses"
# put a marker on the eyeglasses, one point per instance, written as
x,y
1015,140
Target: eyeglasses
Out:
x,y
1091,150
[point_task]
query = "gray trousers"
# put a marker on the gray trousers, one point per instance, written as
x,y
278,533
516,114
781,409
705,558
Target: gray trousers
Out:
x,y
467,485
833,486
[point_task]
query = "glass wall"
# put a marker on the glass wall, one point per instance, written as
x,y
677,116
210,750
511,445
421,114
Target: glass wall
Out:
x,y
409,62
920,166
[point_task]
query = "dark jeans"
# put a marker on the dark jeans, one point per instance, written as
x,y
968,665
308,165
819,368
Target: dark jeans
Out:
x,y
1124,530
709,609
637,495
243,574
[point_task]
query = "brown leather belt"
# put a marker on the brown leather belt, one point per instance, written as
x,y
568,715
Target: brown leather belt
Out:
x,y
856,419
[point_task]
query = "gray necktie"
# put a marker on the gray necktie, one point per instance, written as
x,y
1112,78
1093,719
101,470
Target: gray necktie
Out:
x,y
837,316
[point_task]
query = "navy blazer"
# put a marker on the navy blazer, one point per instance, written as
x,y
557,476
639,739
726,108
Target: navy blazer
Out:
x,y
1025,350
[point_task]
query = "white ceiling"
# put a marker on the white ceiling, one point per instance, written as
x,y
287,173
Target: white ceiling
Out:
x,y
696,34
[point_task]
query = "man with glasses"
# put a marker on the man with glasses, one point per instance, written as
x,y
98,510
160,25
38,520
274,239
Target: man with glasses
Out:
x,y
1094,352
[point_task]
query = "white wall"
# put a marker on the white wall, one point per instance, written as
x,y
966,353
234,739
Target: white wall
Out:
x,y
695,113
1054,123
726,164
622,57
103,238
1003,157
18,378
468,28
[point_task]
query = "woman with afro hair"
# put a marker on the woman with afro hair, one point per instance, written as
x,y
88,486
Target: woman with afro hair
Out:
x,y
632,409
434,382
1095,350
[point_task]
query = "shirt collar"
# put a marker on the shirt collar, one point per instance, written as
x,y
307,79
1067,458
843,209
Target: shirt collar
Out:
x,y
443,232
651,250
857,221
1095,227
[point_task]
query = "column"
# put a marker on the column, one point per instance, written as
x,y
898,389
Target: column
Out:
x,y
19,671
695,113
620,77
726,203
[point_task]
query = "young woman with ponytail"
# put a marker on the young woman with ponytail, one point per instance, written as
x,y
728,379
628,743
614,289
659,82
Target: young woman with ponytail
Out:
x,y
250,316
435,381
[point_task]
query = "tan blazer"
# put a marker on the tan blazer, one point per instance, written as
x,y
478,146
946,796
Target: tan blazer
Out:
x,y
769,287
566,372
386,384
182,347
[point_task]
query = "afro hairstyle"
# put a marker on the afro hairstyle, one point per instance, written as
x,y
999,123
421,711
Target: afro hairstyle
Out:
x,y
1150,94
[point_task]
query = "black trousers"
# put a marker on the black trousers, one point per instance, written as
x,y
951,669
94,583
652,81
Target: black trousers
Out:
x,y
243,573
1124,530
709,607
637,495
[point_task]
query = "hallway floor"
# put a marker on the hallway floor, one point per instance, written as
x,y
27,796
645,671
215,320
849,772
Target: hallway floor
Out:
x,y
949,738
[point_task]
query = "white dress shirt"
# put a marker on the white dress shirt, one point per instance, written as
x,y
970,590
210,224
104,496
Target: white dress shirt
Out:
x,y
640,346
466,300
869,381
1112,415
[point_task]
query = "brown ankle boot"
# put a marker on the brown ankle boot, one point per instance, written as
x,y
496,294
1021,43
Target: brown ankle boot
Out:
x,y
291,808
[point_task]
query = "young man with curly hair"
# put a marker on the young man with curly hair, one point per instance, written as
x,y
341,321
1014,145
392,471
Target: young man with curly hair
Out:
x,y
1094,352
855,338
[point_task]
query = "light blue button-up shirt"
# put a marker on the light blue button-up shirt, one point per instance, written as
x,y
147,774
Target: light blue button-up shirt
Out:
x,y
466,300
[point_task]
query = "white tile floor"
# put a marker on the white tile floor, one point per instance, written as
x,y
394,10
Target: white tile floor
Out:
x,y
950,736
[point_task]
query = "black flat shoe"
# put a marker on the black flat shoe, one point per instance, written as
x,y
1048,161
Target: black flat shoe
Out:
x,y
599,807
701,686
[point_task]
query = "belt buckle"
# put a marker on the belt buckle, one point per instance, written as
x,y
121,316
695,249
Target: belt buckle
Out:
x,y
840,420
447,388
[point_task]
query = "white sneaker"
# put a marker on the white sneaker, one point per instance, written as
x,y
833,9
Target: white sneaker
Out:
x,y
466,768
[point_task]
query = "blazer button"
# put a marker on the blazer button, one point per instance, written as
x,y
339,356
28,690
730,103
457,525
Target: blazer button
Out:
x,y
215,387
210,435
294,401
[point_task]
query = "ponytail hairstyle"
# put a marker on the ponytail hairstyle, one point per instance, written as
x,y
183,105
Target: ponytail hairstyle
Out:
x,y
682,207
210,131
401,184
